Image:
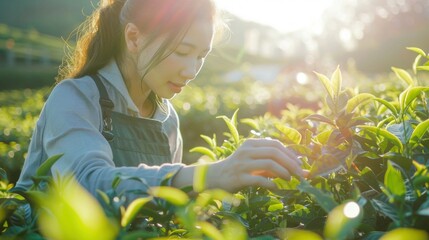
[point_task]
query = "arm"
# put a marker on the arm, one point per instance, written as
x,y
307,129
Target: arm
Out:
x,y
250,165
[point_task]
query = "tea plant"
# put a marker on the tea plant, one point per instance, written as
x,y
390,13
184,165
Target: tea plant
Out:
x,y
368,179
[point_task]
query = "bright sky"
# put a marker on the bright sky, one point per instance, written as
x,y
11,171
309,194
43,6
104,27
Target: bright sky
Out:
x,y
284,15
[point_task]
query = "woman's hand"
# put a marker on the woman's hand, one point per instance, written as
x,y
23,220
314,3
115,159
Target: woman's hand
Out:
x,y
254,162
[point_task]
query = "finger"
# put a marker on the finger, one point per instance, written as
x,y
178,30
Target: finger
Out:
x,y
275,154
268,142
259,181
265,166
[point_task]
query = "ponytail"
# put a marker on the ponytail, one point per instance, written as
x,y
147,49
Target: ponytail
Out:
x,y
99,39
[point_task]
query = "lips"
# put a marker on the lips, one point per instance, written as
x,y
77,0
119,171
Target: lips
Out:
x,y
176,87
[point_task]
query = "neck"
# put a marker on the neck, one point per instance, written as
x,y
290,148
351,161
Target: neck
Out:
x,y
138,90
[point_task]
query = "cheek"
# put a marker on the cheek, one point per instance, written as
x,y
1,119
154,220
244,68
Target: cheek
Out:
x,y
200,65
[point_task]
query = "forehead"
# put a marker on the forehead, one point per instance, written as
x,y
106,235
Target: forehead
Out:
x,y
199,35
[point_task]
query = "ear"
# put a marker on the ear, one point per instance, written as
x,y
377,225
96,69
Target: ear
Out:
x,y
132,37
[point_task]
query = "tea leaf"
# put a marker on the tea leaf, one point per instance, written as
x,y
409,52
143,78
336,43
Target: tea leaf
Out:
x,y
424,68
232,126
388,105
68,211
401,130
419,131
358,100
235,230
385,134
336,81
44,169
394,181
404,76
387,210
204,151
416,63
170,194
370,178
290,133
251,122
408,95
325,200
342,221
417,50
209,141
327,84
298,234
320,118
132,210
406,233
200,176
210,231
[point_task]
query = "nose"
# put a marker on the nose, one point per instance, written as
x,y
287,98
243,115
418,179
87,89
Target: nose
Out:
x,y
190,69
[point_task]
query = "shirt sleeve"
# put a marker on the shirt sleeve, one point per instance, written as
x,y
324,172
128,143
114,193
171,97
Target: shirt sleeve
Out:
x,y
73,124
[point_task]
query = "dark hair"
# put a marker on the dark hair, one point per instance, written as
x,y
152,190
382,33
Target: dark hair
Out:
x,y
101,37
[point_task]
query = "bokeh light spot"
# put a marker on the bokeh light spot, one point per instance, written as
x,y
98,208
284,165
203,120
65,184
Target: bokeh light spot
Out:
x,y
351,210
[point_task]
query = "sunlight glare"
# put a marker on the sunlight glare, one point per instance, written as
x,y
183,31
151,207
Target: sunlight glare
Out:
x,y
302,78
285,16
351,210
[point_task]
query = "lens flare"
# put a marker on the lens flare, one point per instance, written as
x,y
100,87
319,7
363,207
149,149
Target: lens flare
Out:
x,y
351,210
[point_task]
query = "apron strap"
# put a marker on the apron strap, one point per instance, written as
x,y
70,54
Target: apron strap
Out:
x,y
106,108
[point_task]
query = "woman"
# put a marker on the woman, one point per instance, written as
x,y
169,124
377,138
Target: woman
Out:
x,y
112,115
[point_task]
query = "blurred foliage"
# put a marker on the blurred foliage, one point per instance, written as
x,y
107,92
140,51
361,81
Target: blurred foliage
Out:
x,y
19,112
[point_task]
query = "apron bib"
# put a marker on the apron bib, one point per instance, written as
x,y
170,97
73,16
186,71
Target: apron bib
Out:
x,y
133,140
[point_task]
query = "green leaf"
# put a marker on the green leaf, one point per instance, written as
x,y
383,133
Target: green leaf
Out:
x,y
343,220
423,68
336,80
416,63
390,106
417,50
204,151
290,133
387,210
325,200
132,210
320,118
327,84
251,122
232,126
211,142
358,100
200,176
401,130
394,181
405,233
385,134
44,169
275,207
68,211
419,131
170,194
404,76
141,234
408,95
370,178
424,208
211,231
298,234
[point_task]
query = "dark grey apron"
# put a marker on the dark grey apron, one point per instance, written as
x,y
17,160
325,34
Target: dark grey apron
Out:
x,y
133,140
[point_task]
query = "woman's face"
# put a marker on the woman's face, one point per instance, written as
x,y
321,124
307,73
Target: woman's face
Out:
x,y
172,74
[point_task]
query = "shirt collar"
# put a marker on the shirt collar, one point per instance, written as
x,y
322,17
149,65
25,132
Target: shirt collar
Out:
x,y
112,74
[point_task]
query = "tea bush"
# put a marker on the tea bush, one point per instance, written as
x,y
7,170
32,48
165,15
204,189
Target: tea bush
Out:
x,y
366,152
